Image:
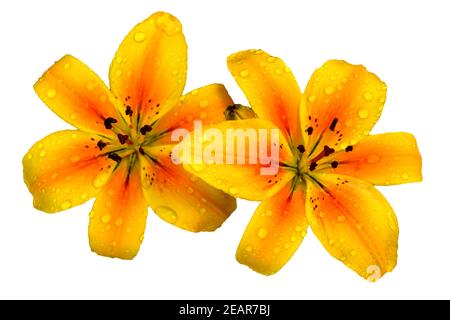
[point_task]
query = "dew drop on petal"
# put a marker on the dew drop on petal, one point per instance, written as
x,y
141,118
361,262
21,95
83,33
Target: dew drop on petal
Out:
x,y
51,93
363,113
329,90
139,36
66,205
262,233
167,214
368,96
373,158
233,190
244,73
105,218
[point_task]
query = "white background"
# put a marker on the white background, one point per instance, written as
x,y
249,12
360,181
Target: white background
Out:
x,y
403,42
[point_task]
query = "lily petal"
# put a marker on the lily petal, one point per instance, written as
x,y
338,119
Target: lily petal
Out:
x,y
118,218
354,222
148,72
245,173
275,231
66,169
382,159
341,104
206,104
180,198
270,88
76,94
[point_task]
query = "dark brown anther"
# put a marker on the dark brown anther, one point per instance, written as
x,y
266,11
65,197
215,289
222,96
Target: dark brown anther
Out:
x,y
115,157
312,166
301,148
327,151
309,130
141,151
122,138
145,129
333,124
108,123
334,164
101,145
349,148
129,111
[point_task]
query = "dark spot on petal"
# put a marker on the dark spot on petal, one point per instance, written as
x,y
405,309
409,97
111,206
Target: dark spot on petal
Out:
x,y
349,148
309,130
334,164
141,151
301,148
333,124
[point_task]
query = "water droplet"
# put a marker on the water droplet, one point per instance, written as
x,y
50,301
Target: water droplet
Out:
x,y
190,190
66,205
51,93
233,190
101,180
269,213
204,103
376,228
75,158
271,59
139,36
373,158
244,73
66,66
405,176
118,73
198,167
105,218
303,233
73,116
249,248
83,196
341,218
194,92
202,210
118,222
262,233
203,115
29,156
90,86
276,250
368,96
363,113
141,238
278,71
175,72
329,89
54,176
168,24
312,98
167,214
293,239
43,153
358,226
353,253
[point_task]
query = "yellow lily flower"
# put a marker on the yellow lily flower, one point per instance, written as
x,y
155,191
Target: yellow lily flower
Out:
x,y
120,153
328,165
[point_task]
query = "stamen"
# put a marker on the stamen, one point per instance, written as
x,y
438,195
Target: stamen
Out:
x,y
122,138
312,166
101,145
333,124
145,129
115,157
129,111
108,123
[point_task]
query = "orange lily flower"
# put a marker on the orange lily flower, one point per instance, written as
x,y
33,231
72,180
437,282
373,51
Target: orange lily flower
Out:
x,y
120,153
328,165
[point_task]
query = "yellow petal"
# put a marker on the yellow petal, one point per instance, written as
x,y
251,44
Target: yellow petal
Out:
x,y
148,72
206,104
76,94
118,218
275,232
382,159
270,88
354,222
66,169
256,172
341,104
180,198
